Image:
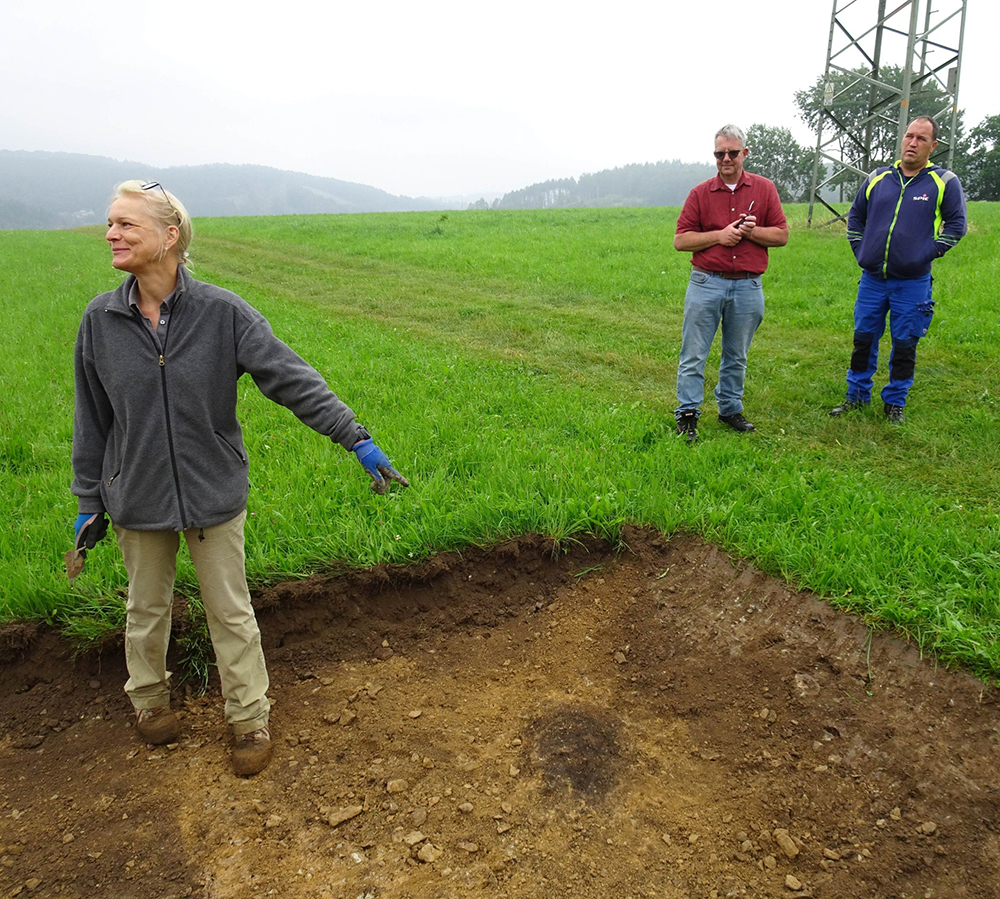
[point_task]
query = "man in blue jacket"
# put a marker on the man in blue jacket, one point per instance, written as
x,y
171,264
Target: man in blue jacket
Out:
x,y
904,217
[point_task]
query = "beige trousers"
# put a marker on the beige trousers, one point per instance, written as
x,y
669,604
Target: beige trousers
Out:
x,y
220,563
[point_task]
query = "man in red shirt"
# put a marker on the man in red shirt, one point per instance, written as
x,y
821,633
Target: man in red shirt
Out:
x,y
727,222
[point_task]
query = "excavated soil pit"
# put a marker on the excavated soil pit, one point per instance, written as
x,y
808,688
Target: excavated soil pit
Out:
x,y
519,722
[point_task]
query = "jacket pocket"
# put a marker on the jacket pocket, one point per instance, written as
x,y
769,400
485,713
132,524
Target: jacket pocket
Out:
x,y
239,455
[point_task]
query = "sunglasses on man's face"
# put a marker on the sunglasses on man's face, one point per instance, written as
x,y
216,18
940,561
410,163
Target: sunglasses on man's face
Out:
x,y
732,154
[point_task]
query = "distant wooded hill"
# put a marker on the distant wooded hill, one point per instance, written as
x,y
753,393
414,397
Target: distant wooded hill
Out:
x,y
46,190
42,190
665,183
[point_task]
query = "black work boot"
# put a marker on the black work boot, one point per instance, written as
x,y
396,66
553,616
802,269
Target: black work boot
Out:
x,y
687,425
846,406
737,422
894,413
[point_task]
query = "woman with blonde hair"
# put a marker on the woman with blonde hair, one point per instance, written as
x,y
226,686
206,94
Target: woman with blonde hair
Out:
x,y
158,447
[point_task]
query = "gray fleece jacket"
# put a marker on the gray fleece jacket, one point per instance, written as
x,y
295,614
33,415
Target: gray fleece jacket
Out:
x,y
156,440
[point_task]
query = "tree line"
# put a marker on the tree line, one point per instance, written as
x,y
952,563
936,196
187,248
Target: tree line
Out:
x,y
776,154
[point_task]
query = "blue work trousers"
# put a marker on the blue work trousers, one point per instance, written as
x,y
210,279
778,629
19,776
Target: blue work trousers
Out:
x,y
909,306
739,306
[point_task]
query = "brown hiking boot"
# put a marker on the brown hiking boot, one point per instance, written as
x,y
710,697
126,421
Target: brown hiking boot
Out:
x,y
157,726
251,752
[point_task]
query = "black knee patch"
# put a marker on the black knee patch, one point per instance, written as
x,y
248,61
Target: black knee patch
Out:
x,y
904,360
862,351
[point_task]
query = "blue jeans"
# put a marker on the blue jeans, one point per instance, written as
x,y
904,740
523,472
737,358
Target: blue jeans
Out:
x,y
910,308
739,305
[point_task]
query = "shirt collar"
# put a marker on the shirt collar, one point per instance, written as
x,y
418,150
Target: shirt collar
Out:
x,y
719,184
133,296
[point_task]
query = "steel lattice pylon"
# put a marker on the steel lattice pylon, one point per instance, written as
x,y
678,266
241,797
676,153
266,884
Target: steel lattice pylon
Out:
x,y
918,40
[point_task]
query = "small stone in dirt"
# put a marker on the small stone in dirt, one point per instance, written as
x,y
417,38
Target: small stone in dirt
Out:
x,y
414,837
465,808
429,853
416,713
468,847
620,657
807,685
347,716
928,827
514,770
896,814
397,785
273,821
33,883
94,684
344,814
503,827
770,862
693,837
68,838
418,816
831,854
792,882
506,807
786,843
428,763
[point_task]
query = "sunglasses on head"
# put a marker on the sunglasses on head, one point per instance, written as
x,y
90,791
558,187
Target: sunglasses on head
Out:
x,y
152,185
732,154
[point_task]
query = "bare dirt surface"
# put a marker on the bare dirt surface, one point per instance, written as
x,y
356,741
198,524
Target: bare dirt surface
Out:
x,y
519,722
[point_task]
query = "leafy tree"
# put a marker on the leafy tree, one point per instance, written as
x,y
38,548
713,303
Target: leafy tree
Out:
x,y
854,102
979,165
775,154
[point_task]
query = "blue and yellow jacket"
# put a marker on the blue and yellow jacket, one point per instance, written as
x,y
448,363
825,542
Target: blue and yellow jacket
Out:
x,y
898,226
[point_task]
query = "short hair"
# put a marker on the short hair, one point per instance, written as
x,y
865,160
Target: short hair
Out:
x,y
927,118
733,132
164,208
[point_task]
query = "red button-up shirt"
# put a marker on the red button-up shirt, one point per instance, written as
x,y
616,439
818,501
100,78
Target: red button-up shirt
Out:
x,y
712,206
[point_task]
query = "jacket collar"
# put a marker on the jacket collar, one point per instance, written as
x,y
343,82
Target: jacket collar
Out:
x,y
118,300
898,166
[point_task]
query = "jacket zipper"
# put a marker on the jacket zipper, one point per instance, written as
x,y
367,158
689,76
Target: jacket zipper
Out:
x,y
895,215
166,414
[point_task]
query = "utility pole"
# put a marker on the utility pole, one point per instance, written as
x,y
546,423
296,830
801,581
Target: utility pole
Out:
x,y
867,37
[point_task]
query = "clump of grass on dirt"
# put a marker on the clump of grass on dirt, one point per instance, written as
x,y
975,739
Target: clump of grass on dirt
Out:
x,y
519,368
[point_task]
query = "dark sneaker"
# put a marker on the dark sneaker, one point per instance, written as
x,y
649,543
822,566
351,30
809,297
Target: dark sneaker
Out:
x,y
157,726
894,413
846,406
687,426
251,752
737,422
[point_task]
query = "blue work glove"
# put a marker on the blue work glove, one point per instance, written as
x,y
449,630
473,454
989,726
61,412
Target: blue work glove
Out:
x,y
377,464
87,534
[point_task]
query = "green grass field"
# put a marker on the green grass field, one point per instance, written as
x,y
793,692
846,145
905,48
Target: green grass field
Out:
x,y
519,368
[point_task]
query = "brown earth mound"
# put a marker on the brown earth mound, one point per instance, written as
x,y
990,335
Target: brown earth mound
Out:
x,y
520,722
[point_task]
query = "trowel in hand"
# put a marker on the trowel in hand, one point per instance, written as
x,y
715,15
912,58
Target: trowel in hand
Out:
x,y
76,557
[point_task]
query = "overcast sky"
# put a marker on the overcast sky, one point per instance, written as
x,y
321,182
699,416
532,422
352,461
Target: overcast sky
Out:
x,y
434,98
